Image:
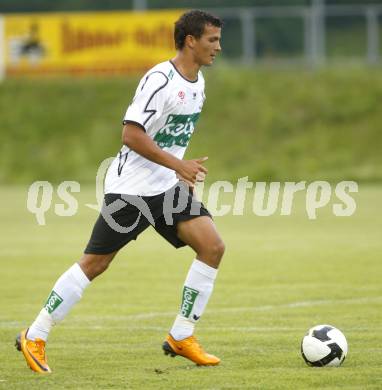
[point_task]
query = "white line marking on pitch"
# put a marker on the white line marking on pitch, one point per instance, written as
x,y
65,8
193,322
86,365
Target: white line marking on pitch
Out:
x,y
133,317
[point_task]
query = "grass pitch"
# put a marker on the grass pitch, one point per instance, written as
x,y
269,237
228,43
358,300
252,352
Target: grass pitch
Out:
x,y
280,276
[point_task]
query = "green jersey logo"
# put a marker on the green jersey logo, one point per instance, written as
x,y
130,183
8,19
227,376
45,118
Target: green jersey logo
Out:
x,y
177,130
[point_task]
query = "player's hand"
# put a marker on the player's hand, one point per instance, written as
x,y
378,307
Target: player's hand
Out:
x,y
191,171
200,177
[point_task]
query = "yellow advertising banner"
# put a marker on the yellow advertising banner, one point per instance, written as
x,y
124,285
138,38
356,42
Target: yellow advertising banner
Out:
x,y
81,43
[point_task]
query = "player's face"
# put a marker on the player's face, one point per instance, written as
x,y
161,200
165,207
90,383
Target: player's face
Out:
x,y
208,45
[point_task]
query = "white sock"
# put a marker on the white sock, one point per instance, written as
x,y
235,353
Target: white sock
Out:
x,y
65,294
196,293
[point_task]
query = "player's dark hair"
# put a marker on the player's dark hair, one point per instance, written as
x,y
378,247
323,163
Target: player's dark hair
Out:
x,y
192,23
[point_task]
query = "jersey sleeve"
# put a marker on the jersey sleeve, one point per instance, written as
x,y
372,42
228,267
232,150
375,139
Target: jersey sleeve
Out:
x,y
149,100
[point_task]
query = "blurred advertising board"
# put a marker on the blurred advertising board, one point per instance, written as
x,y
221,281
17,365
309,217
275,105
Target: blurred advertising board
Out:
x,y
87,43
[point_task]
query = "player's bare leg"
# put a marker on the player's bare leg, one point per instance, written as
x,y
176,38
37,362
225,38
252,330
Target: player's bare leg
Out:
x,y
201,235
94,265
65,294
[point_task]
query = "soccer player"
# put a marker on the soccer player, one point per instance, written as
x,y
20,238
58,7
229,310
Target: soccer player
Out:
x,y
149,183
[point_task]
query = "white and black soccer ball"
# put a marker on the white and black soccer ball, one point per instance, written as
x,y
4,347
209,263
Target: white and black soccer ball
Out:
x,y
324,345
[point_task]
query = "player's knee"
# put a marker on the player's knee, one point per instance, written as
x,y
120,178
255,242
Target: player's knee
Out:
x,y
212,252
94,265
219,249
101,266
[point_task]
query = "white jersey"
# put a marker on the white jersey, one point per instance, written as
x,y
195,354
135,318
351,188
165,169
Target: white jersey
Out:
x,y
166,106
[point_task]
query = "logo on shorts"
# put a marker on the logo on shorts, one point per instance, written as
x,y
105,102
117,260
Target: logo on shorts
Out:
x,y
188,300
177,130
53,302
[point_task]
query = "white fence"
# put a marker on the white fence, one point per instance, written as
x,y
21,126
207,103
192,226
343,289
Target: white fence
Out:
x,y
314,20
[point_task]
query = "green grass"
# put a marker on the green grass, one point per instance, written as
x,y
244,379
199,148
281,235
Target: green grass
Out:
x,y
267,124
280,276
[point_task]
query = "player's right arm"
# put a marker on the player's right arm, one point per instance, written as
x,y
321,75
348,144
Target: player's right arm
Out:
x,y
135,138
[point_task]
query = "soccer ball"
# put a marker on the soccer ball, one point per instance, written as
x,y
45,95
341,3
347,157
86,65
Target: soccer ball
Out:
x,y
324,345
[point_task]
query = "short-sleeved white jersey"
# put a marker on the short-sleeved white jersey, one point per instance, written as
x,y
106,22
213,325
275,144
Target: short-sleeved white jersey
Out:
x,y
167,106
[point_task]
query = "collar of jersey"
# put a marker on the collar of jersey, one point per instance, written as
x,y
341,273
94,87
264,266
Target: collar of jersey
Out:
x,y
180,74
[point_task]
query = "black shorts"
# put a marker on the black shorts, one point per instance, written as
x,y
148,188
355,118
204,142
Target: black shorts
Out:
x,y
124,217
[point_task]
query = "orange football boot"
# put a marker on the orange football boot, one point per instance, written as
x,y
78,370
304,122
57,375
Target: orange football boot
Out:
x,y
34,352
190,349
